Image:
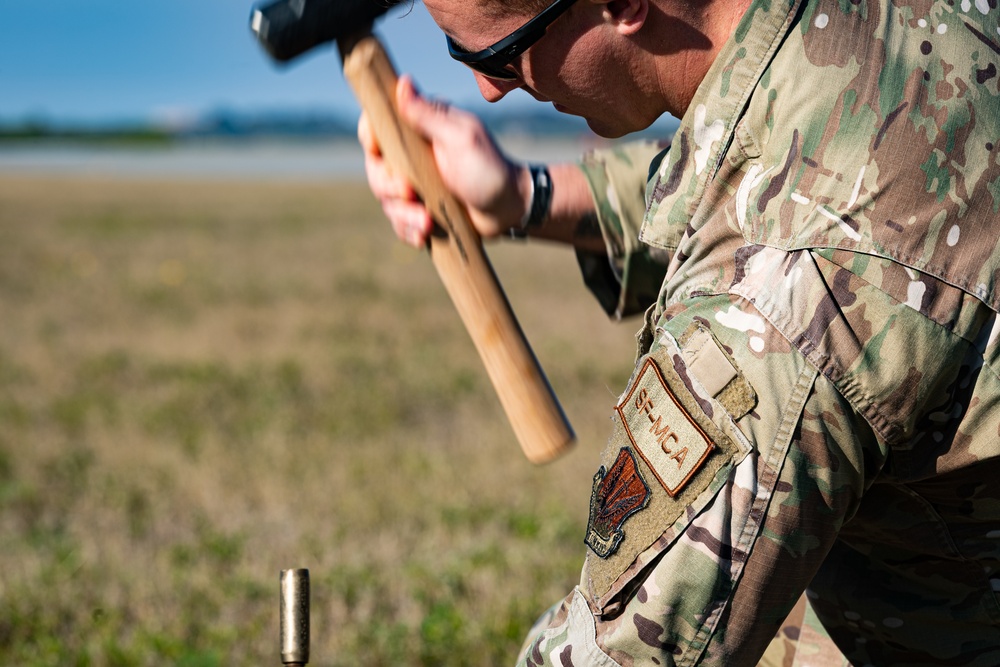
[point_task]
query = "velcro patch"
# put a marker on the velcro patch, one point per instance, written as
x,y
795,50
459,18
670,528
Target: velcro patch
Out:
x,y
661,430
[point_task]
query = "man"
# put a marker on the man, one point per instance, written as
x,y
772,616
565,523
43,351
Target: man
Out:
x,y
815,404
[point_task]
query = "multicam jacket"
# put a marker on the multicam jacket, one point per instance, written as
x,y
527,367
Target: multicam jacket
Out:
x,y
815,403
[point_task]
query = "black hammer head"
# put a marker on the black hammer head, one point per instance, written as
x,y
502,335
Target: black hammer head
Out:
x,y
287,28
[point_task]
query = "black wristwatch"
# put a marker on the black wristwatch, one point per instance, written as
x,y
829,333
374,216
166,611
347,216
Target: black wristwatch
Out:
x,y
541,200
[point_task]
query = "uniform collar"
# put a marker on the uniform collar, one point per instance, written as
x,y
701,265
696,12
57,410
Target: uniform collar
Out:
x,y
676,188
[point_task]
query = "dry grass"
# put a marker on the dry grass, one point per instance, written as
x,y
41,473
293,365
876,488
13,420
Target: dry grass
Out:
x,y
204,383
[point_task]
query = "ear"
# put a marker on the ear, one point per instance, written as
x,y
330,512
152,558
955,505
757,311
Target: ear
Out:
x,y
627,15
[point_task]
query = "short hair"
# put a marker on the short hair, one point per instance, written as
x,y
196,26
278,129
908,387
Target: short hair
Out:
x,y
502,8
496,9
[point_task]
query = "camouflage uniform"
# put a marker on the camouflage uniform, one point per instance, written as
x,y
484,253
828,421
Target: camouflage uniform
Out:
x,y
815,403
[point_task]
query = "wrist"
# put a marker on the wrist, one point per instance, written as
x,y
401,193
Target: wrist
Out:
x,y
536,180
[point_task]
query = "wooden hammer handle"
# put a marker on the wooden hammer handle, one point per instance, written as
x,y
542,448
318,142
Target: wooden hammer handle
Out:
x,y
457,252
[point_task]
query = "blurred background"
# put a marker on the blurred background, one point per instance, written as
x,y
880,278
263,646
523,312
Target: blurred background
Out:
x,y
217,363
187,77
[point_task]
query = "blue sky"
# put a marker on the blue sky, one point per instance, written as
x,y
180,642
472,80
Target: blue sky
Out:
x,y
110,60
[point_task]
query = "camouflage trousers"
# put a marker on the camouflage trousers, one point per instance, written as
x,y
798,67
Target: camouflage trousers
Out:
x,y
739,477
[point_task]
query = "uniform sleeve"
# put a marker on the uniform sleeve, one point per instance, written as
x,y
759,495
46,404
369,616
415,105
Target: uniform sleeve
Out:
x,y
627,279
696,553
778,437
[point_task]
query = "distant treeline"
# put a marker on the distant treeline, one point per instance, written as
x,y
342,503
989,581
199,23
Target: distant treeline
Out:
x,y
541,121
123,135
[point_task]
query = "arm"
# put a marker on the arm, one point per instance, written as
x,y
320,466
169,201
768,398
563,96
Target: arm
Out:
x,y
495,188
597,205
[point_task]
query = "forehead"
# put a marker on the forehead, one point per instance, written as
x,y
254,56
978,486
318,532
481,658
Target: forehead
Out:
x,y
489,9
475,23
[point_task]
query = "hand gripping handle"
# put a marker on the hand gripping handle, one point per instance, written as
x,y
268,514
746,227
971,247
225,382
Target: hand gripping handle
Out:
x,y
457,252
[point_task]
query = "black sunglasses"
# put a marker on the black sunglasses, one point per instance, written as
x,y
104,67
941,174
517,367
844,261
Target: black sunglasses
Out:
x,y
493,60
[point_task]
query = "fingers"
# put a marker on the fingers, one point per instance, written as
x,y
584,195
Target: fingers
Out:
x,y
384,182
366,138
470,165
433,119
409,218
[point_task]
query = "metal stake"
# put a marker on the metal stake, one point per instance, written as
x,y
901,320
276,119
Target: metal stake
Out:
x,y
294,617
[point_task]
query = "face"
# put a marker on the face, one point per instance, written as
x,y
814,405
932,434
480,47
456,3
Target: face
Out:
x,y
587,65
573,66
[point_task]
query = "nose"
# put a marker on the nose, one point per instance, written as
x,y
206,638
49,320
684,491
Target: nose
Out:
x,y
494,90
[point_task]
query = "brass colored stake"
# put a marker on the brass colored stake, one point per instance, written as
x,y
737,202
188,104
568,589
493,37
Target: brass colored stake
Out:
x,y
294,617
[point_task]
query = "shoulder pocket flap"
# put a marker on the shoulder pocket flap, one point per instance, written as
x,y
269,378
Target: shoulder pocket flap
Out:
x,y
669,460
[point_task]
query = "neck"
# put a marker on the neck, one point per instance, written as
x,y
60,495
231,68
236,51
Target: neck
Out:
x,y
685,38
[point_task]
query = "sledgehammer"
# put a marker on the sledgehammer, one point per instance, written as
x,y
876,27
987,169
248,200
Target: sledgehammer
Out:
x,y
288,28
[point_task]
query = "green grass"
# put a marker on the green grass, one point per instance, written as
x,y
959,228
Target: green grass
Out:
x,y
204,383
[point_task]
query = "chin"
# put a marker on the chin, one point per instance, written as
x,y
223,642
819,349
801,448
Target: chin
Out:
x,y
604,131
619,126
612,130
596,126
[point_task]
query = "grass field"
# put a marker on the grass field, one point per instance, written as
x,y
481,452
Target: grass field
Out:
x,y
204,383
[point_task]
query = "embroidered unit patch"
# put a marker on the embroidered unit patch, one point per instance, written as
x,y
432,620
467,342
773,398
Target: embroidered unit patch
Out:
x,y
618,493
664,434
